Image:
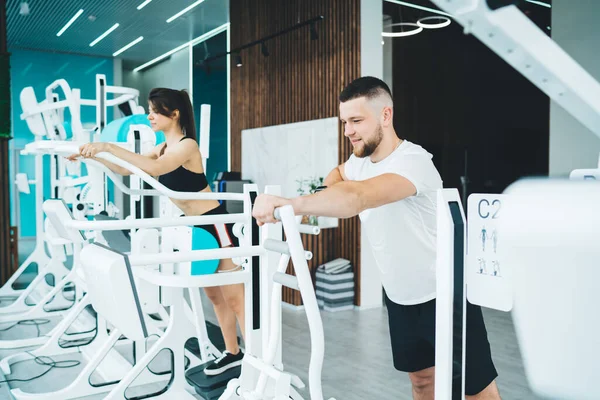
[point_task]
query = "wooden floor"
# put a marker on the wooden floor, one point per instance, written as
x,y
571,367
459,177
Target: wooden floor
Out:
x,y
358,363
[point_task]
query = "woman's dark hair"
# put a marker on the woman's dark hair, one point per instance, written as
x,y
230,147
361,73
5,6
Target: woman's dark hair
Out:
x,y
164,101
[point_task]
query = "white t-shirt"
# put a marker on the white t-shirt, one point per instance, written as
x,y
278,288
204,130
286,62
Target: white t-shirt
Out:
x,y
402,234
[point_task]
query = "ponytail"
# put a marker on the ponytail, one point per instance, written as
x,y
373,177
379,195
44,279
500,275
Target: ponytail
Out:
x,y
186,115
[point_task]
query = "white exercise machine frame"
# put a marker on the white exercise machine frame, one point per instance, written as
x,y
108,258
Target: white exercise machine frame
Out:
x,y
518,41
81,386
45,119
99,347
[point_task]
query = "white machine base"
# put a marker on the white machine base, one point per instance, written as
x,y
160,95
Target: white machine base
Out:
x,y
20,305
178,330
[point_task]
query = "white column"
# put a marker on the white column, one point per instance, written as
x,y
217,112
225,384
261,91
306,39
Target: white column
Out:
x,y
574,28
371,64
371,49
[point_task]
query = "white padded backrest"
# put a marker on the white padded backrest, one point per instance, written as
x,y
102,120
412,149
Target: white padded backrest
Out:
x,y
147,137
29,105
54,125
112,289
550,229
58,213
135,108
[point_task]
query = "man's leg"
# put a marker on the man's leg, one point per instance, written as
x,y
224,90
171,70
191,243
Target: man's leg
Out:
x,y
489,393
412,353
480,370
423,383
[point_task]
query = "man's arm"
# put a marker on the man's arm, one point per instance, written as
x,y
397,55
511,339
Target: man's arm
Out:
x,y
349,198
343,200
335,176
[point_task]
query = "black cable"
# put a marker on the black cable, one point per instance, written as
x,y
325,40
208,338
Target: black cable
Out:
x,y
36,322
41,361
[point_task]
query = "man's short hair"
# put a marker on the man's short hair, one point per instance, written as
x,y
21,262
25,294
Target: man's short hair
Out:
x,y
367,86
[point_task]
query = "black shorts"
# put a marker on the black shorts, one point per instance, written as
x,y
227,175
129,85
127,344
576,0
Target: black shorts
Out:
x,y
412,333
222,232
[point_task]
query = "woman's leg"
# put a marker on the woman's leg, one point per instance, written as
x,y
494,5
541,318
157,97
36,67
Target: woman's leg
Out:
x,y
226,318
232,305
234,294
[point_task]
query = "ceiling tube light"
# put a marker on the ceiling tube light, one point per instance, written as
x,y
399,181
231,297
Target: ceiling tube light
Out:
x,y
144,4
417,29
193,42
188,8
539,3
404,3
64,28
434,22
238,61
105,34
122,49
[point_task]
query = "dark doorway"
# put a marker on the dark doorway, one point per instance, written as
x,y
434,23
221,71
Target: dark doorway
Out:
x,y
465,105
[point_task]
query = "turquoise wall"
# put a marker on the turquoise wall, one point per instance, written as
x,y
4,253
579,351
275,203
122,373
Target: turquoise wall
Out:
x,y
212,89
40,69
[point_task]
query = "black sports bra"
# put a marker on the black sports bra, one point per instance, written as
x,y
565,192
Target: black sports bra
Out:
x,y
183,180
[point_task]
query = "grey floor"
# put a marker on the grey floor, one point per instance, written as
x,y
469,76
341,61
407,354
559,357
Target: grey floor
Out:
x,y
358,364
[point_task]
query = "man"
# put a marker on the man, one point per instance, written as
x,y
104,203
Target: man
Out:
x,y
391,184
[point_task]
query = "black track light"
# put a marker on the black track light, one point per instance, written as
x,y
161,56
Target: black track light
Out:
x,y
314,35
264,50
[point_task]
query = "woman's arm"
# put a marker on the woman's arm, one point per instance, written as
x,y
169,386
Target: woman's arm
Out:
x,y
178,155
113,167
152,155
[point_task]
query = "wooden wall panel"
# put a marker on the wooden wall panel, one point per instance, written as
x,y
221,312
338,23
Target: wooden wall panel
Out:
x,y
6,251
299,81
5,130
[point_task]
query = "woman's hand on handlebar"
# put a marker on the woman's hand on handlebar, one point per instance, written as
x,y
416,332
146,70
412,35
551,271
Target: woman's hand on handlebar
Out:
x,y
89,150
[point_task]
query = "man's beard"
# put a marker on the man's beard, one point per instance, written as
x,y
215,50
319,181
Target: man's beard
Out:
x,y
369,147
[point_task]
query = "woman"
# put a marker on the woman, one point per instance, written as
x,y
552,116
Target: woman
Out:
x,y
178,165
